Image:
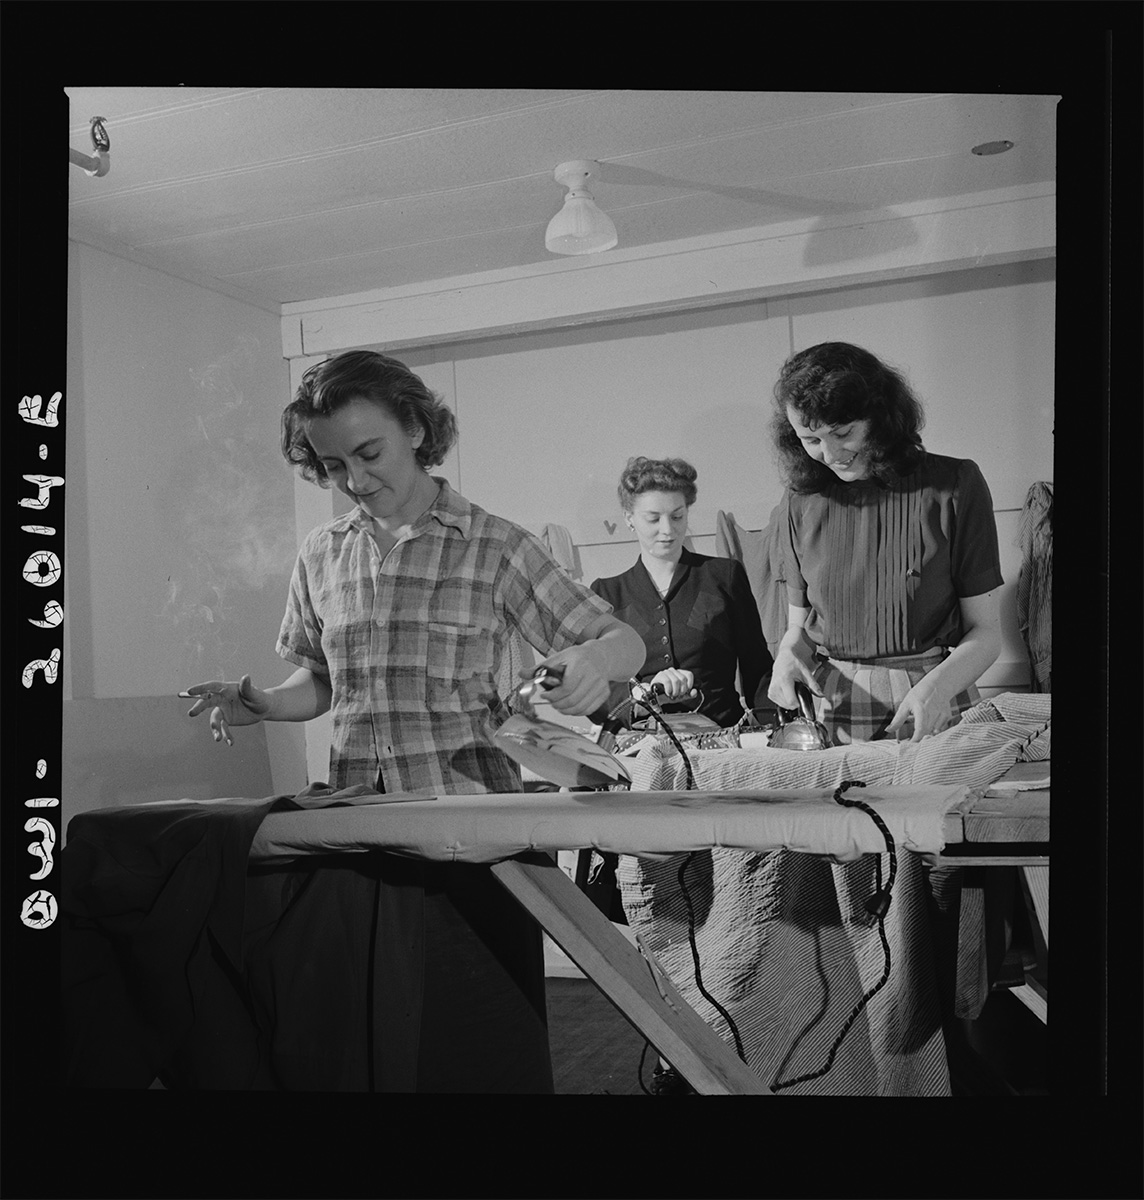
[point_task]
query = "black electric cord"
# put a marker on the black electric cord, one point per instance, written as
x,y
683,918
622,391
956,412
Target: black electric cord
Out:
x,y
877,906
879,903
695,958
653,707
639,1074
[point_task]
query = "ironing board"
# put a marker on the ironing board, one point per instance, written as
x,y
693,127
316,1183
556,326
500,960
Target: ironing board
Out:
x,y
494,828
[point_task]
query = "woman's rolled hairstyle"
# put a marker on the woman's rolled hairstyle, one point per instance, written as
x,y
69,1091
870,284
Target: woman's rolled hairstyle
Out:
x,y
656,475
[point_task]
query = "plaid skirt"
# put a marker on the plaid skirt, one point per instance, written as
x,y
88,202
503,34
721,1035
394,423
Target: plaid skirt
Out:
x,y
860,696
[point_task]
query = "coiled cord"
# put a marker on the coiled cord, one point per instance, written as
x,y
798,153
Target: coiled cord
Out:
x,y
653,707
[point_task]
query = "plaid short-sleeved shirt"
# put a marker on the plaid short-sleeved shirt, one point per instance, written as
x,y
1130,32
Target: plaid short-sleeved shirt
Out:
x,y
411,643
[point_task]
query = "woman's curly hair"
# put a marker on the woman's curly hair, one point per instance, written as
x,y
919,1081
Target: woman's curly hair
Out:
x,y
835,383
656,475
365,375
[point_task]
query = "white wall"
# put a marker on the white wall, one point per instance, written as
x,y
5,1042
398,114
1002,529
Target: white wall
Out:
x,y
182,520
548,419
179,507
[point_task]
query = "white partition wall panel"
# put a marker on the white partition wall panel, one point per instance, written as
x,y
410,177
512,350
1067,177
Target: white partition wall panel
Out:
x,y
549,417
549,420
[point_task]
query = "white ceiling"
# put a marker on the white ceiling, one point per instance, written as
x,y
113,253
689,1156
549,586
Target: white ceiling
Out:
x,y
295,194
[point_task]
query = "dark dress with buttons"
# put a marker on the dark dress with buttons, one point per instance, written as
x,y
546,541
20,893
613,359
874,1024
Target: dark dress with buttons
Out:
x,y
708,623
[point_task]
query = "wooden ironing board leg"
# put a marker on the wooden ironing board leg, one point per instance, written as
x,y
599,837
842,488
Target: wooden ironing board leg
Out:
x,y
636,985
1034,992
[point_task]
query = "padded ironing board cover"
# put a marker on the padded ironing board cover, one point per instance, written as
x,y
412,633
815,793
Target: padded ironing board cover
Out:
x,y
488,828
784,940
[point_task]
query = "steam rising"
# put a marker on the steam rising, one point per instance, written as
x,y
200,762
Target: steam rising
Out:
x,y
231,518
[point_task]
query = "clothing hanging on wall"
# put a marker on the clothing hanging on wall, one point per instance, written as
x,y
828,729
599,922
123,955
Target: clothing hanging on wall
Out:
x,y
760,552
558,541
1035,583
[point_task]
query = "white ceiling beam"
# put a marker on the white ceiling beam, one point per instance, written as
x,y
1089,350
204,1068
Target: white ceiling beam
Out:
x,y
927,238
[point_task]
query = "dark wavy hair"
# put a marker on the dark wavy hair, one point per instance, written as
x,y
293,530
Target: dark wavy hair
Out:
x,y
365,375
656,475
835,383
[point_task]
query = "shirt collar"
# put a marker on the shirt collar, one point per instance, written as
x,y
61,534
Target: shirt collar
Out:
x,y
450,508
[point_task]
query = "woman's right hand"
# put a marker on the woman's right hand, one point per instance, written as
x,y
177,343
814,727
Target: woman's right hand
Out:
x,y
794,663
230,704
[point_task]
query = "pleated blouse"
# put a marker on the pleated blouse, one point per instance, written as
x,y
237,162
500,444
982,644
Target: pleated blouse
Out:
x,y
882,566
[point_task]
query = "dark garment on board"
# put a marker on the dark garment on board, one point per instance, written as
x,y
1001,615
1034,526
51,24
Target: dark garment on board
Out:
x,y
354,972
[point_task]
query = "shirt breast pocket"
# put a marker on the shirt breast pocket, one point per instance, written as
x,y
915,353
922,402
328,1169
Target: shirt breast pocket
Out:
x,y
458,667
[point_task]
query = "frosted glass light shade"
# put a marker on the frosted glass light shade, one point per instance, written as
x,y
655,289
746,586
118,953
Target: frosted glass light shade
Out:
x,y
579,227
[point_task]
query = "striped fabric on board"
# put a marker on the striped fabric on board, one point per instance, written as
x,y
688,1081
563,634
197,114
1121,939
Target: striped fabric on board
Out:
x,y
784,942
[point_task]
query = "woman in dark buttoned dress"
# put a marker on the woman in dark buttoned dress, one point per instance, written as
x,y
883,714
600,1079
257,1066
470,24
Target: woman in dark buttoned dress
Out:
x,y
700,625
697,616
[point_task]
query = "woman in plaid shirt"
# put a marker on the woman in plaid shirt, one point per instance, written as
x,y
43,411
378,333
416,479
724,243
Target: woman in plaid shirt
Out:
x,y
398,616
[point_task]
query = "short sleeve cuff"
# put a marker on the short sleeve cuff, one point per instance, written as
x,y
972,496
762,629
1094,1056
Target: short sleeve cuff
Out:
x,y
318,666
978,585
585,615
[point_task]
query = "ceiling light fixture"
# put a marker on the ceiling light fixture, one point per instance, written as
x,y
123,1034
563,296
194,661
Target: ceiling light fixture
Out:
x,y
579,227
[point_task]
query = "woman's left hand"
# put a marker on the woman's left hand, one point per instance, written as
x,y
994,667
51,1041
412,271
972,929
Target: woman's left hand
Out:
x,y
925,708
678,684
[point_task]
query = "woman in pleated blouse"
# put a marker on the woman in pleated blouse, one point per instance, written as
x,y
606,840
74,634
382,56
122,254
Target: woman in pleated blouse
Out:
x,y
891,560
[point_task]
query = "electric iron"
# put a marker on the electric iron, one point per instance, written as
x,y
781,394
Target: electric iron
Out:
x,y
555,752
800,731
